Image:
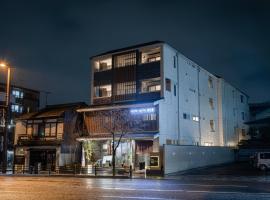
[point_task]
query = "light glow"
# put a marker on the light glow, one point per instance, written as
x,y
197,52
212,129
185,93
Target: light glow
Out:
x,y
142,110
3,65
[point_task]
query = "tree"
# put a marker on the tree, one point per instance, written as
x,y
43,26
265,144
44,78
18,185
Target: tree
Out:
x,y
117,123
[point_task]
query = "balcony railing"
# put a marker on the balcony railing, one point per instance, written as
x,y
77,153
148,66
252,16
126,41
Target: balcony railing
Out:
x,y
39,140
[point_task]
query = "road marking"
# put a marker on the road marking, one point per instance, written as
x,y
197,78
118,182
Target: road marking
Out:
x,y
125,197
188,191
188,184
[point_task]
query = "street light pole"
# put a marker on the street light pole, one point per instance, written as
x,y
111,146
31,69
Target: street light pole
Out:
x,y
7,110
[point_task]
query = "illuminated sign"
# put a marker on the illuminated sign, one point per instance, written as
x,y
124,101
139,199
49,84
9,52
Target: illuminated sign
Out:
x,y
142,110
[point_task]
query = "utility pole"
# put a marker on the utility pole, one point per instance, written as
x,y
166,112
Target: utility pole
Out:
x,y
7,110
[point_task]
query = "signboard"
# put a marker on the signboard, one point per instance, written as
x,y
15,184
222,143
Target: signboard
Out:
x,y
154,161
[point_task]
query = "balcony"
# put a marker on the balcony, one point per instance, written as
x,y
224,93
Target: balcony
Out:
x,y
26,140
148,70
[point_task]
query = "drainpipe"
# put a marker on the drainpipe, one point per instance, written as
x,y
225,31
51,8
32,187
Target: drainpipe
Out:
x,y
199,106
178,100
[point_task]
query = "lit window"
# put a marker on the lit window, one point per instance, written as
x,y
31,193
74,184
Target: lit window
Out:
x,y
212,125
17,94
149,117
103,91
124,60
16,108
47,130
150,85
151,55
53,129
126,88
195,118
60,128
103,65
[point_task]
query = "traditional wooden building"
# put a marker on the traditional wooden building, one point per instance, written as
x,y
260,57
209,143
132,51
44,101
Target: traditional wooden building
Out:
x,y
49,137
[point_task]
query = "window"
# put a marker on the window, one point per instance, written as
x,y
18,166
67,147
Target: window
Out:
x,y
35,130
151,55
149,117
186,116
168,84
175,61
53,129
29,129
150,85
212,125
17,93
210,82
242,98
47,130
103,65
103,91
243,132
125,60
60,128
16,108
211,103
126,88
195,118
174,90
243,115
50,128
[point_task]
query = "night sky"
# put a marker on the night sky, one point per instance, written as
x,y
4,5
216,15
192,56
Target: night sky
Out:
x,y
50,42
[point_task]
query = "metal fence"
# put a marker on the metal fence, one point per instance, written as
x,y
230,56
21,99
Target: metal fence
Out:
x,y
75,169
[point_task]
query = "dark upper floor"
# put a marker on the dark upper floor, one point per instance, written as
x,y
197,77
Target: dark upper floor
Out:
x,y
128,74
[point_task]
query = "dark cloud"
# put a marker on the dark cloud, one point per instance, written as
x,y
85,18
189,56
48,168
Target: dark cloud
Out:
x,y
50,42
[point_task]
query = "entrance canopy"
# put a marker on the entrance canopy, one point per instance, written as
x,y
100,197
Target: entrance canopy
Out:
x,y
137,136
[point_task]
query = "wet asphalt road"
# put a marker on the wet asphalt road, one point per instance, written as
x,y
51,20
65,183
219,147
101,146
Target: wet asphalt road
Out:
x,y
67,188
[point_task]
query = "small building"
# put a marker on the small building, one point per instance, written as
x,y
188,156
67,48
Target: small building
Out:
x,y
177,102
259,122
22,100
49,137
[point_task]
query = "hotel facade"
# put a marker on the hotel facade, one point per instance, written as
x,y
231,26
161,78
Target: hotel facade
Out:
x,y
176,101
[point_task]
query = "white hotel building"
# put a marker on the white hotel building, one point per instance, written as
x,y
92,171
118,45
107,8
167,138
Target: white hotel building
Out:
x,y
180,102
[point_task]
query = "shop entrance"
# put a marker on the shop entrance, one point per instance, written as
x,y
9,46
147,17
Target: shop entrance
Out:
x,y
46,158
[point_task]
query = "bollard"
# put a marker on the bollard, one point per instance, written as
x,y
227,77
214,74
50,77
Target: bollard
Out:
x,y
95,170
130,171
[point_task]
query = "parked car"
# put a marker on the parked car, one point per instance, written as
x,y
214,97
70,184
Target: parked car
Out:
x,y
262,160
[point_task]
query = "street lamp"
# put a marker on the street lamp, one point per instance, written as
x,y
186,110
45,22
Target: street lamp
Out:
x,y
7,109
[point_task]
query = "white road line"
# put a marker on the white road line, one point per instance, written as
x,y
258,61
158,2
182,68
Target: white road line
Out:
x,y
188,191
126,197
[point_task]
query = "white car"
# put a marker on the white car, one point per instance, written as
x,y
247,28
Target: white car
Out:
x,y
262,160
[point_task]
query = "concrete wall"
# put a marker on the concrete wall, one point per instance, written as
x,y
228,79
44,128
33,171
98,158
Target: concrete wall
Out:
x,y
179,158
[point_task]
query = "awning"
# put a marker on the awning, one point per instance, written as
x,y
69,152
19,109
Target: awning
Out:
x,y
115,107
137,136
